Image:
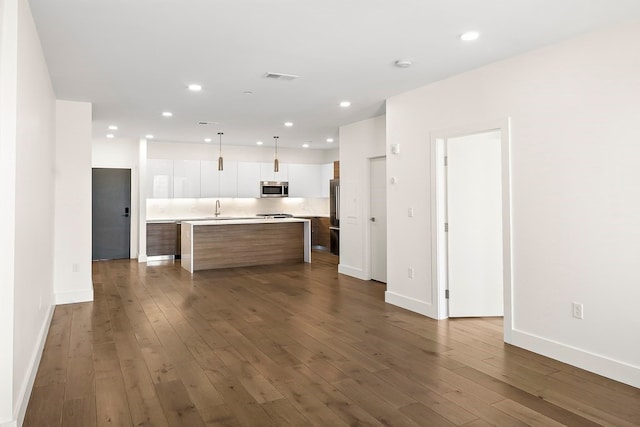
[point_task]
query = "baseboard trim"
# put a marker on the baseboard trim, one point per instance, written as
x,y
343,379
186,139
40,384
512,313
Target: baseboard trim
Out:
x,y
598,364
410,304
71,297
352,271
25,393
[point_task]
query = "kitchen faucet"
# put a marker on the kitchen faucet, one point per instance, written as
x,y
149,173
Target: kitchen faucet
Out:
x,y
217,208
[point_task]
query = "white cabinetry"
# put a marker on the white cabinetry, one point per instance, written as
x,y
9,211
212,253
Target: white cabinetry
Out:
x,y
186,179
248,179
194,178
304,180
326,176
159,179
309,180
215,183
267,173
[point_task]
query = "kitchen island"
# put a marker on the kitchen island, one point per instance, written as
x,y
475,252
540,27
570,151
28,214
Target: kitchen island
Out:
x,y
225,243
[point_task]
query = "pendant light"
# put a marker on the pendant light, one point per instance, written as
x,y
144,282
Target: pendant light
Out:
x,y
276,163
220,161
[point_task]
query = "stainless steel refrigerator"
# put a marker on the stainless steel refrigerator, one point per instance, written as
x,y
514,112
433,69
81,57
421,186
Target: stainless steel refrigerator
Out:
x,y
334,212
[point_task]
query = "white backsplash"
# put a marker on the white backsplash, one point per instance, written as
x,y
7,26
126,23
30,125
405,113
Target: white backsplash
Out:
x,y
170,209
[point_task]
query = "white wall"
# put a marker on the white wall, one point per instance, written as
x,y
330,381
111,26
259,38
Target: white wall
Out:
x,y
575,162
358,143
121,154
27,190
8,93
73,203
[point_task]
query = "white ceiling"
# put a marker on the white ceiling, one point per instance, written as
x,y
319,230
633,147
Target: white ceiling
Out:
x,y
133,59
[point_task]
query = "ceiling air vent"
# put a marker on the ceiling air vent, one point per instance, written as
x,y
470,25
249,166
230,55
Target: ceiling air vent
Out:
x,y
204,123
280,76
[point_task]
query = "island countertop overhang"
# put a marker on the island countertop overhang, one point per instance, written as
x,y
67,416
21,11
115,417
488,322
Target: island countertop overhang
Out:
x,y
231,221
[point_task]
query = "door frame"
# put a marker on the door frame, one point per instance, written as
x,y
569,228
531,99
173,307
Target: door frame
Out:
x,y
438,211
134,225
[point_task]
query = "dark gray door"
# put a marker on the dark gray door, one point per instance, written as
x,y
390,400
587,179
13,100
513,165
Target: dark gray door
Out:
x,y
111,218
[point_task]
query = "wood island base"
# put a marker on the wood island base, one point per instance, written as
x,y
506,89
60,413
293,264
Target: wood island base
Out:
x,y
241,243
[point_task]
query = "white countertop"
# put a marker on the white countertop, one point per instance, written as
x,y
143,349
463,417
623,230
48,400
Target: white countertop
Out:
x,y
230,221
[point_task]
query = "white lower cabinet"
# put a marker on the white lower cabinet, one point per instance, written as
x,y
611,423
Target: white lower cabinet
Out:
x,y
215,183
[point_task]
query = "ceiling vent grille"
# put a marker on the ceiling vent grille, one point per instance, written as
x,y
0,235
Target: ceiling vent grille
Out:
x,y
281,76
204,123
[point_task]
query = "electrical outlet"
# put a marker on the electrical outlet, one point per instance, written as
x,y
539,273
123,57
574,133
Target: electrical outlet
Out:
x,y
410,273
75,267
410,212
578,310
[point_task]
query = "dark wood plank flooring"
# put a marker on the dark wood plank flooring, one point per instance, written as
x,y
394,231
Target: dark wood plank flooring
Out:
x,y
293,345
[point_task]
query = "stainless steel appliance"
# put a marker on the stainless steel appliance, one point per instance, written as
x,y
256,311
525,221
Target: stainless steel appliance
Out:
x,y
274,189
275,215
334,215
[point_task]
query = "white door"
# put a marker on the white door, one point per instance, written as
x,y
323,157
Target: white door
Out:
x,y
474,217
378,219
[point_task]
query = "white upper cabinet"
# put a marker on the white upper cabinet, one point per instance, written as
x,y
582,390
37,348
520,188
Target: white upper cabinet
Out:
x,y
309,180
326,176
195,178
304,180
186,179
159,179
215,183
248,179
267,173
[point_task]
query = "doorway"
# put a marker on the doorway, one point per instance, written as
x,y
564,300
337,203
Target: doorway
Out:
x,y
378,218
471,221
111,213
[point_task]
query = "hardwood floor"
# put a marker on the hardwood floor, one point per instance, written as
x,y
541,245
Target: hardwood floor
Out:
x,y
293,345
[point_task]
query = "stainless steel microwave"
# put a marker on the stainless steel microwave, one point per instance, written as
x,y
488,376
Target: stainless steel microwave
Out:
x,y
274,189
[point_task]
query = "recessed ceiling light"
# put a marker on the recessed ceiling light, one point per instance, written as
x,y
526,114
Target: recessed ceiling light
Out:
x,y
259,142
110,135
167,113
113,127
403,63
247,92
345,104
329,140
207,140
305,145
148,136
469,36
194,87
288,124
